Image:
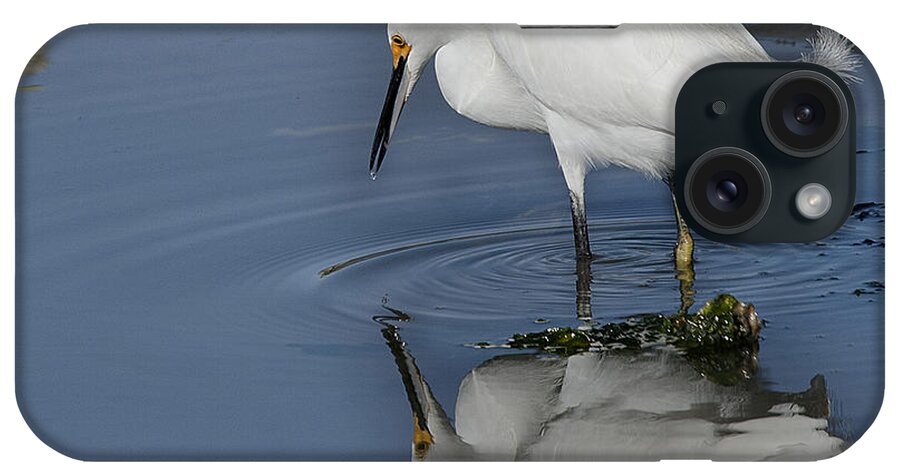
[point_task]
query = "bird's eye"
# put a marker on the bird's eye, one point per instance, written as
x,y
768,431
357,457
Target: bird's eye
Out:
x,y
398,40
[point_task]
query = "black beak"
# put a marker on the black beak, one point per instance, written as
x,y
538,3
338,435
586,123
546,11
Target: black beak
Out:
x,y
393,104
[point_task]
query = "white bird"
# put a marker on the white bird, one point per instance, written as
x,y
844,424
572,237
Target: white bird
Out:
x,y
605,96
605,406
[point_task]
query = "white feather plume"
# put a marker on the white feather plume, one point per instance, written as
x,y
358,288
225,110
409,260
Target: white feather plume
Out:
x,y
833,51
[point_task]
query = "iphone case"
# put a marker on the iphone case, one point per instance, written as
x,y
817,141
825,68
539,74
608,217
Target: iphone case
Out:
x,y
206,269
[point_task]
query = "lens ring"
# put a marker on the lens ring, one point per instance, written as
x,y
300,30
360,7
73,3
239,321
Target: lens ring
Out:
x,y
717,163
781,134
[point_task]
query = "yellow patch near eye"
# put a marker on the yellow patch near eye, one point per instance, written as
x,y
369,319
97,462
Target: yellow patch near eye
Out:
x,y
399,48
422,439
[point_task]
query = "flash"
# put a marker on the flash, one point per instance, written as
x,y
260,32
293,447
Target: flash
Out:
x,y
813,201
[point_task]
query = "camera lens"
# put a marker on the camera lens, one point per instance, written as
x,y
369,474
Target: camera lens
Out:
x,y
727,190
804,113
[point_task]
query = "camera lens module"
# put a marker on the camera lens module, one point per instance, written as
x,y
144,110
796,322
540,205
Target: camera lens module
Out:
x,y
804,113
778,164
727,190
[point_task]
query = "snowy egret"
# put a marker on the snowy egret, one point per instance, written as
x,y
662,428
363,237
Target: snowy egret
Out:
x,y
602,406
605,96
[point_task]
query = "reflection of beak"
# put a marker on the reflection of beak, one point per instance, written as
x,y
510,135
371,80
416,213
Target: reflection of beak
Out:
x,y
393,105
431,427
422,439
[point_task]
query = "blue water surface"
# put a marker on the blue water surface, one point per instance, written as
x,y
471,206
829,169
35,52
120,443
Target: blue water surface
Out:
x,y
180,188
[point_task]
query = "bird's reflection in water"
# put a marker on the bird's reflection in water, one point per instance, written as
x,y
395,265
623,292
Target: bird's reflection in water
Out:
x,y
645,403
583,288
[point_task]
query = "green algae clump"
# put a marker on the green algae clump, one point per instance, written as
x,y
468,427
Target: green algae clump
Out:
x,y
558,340
721,322
720,340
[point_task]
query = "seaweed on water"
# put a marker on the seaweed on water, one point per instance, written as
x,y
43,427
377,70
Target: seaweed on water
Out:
x,y
556,340
720,340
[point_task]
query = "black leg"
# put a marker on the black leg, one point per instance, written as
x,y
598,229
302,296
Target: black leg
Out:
x,y
580,227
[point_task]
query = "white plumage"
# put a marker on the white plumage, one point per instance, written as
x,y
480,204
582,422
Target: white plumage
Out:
x,y
605,96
